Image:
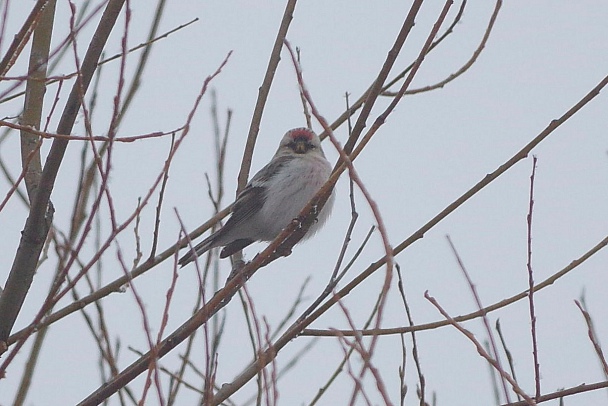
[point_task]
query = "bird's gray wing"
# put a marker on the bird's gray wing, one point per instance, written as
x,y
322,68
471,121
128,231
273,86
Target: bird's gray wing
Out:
x,y
252,198
249,202
270,170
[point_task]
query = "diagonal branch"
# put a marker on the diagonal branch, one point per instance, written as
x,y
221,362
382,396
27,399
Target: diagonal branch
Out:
x,y
376,89
254,127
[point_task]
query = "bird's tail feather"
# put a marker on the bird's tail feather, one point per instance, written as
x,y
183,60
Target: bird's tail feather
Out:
x,y
198,250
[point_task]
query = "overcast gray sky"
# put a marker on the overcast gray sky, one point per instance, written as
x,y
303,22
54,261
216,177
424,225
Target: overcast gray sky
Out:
x,y
541,59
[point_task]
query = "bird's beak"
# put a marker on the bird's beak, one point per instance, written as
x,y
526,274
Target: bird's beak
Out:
x,y
301,146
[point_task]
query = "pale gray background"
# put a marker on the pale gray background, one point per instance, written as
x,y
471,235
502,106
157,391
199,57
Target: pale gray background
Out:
x,y
542,57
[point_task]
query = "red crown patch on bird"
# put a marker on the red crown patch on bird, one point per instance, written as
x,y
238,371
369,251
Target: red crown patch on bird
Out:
x,y
302,132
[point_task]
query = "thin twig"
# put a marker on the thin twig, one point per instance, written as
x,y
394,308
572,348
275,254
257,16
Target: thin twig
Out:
x,y
503,342
401,371
366,357
592,337
480,350
531,282
302,98
415,355
60,78
374,91
435,44
153,366
69,137
150,40
346,358
493,377
161,194
289,365
333,281
357,383
353,208
484,317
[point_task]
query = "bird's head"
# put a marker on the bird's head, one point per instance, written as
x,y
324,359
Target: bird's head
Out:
x,y
300,141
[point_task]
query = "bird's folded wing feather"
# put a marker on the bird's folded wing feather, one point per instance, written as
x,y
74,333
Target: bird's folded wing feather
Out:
x,y
252,198
249,202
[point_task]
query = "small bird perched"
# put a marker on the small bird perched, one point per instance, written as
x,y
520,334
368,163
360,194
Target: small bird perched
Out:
x,y
274,196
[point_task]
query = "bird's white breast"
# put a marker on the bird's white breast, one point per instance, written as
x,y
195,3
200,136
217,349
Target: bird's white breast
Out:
x,y
289,191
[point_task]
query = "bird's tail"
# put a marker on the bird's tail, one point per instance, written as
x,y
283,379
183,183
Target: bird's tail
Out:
x,y
198,250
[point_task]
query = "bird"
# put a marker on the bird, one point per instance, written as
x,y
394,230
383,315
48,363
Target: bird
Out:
x,y
274,197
